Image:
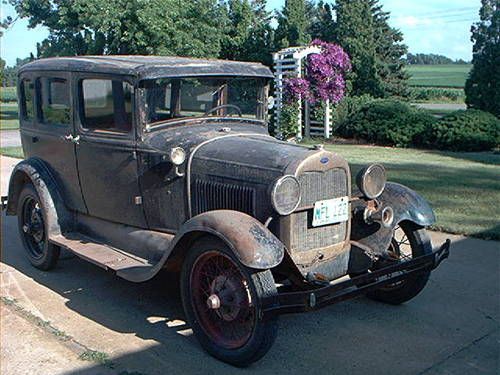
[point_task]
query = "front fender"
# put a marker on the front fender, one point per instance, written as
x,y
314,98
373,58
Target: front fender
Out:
x,y
253,244
407,206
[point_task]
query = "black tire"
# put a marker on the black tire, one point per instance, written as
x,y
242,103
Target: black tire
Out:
x,y
32,224
405,290
211,327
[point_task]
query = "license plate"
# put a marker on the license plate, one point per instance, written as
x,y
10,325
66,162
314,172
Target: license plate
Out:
x,y
330,211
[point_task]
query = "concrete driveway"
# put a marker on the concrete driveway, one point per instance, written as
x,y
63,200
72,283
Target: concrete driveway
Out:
x,y
49,319
10,138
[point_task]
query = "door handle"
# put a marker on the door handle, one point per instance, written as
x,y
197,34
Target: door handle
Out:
x,y
75,140
34,139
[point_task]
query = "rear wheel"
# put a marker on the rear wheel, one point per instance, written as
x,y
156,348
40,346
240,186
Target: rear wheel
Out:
x,y
31,218
223,301
409,241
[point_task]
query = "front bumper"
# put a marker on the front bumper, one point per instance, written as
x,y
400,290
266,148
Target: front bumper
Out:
x,y
314,299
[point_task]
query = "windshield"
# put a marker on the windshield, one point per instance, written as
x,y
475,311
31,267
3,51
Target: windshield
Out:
x,y
177,98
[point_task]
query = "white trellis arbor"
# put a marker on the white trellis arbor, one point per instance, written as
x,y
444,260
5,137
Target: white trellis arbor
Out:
x,y
289,62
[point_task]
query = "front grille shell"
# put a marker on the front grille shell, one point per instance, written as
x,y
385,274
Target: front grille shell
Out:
x,y
312,247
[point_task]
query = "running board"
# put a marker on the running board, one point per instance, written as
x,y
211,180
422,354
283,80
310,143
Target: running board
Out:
x,y
124,264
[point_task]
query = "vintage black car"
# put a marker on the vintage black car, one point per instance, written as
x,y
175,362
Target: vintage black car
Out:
x,y
140,164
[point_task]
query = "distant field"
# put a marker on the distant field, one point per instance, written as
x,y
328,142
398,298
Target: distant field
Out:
x,y
9,118
438,75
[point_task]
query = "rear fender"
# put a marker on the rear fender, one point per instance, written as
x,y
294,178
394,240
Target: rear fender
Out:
x,y
34,171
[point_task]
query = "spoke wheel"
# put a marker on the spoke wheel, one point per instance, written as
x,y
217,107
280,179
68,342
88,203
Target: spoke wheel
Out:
x,y
33,227
409,241
33,230
222,300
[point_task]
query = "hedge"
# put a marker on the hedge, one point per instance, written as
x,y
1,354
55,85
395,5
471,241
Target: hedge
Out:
x,y
388,123
464,130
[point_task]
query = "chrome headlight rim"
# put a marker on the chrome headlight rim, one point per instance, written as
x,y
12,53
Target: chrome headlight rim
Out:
x,y
279,182
177,156
362,180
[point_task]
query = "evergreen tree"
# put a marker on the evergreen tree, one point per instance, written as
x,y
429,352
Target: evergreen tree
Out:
x,y
355,32
249,34
482,88
322,23
389,52
293,24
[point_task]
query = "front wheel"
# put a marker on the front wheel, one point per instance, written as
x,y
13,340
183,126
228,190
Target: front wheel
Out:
x,y
409,241
223,302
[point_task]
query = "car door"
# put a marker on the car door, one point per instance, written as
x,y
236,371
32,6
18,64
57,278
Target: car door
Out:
x,y
47,129
106,151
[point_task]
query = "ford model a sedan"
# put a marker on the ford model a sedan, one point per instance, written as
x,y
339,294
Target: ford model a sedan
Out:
x,y
139,164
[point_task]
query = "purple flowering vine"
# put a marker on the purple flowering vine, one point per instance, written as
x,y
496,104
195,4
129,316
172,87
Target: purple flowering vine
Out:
x,y
324,75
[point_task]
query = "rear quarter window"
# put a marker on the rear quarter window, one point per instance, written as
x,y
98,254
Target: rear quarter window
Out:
x,y
27,99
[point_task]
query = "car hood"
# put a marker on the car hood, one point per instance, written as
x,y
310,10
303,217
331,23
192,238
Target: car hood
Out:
x,y
228,146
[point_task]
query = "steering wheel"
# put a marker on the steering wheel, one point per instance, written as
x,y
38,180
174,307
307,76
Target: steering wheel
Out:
x,y
229,106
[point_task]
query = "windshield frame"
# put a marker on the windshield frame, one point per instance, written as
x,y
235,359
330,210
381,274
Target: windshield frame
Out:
x,y
142,101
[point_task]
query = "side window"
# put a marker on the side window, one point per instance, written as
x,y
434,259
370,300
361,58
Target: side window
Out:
x,y
54,103
106,105
27,102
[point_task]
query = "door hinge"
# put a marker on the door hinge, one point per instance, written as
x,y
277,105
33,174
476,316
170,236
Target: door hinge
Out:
x,y
138,200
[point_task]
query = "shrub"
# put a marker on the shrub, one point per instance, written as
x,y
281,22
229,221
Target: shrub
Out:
x,y
469,130
389,123
436,94
289,120
8,94
348,107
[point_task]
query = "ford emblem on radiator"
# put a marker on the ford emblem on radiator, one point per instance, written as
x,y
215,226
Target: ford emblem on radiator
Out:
x,y
324,160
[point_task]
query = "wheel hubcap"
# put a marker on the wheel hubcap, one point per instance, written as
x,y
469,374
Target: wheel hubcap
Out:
x,y
33,227
222,300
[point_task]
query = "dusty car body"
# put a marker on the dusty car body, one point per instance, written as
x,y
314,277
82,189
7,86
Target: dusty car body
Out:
x,y
140,164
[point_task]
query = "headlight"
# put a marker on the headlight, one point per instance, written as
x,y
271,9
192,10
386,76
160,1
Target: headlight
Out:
x,y
371,180
286,195
177,155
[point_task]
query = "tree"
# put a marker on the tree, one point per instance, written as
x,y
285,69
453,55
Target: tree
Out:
x,y
2,71
293,24
482,88
389,52
77,27
355,32
322,24
249,36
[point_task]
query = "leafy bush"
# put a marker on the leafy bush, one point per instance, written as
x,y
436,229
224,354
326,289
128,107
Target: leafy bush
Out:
x,y
8,94
289,120
436,94
470,130
389,123
348,107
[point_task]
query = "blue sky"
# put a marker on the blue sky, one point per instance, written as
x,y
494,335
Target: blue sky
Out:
x,y
429,26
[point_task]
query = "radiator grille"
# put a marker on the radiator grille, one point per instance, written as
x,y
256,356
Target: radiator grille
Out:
x,y
210,195
318,186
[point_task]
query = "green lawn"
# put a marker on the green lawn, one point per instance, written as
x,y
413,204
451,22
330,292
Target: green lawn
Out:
x,y
463,188
15,152
453,75
9,117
